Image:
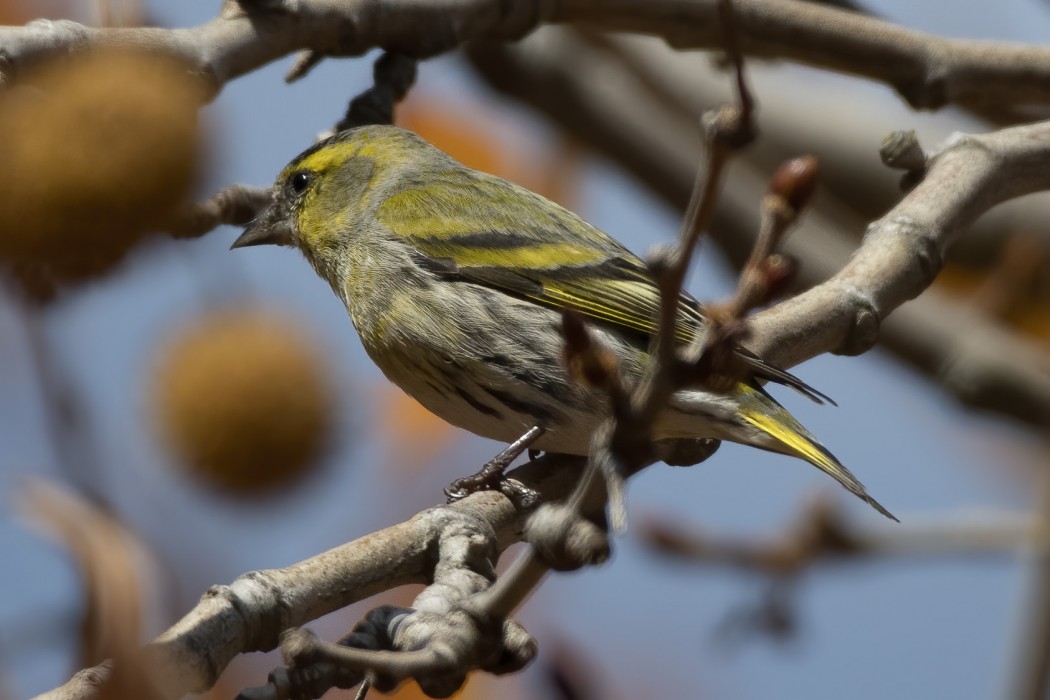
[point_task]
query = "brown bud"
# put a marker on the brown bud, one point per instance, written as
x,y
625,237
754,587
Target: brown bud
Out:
x,y
779,271
795,181
585,360
577,339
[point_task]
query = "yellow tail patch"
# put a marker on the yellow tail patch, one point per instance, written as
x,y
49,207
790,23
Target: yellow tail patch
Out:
x,y
771,418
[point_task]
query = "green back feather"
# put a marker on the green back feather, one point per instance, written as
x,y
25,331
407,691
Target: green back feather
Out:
x,y
555,258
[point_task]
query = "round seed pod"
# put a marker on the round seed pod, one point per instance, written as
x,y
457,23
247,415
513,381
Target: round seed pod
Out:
x,y
98,149
243,399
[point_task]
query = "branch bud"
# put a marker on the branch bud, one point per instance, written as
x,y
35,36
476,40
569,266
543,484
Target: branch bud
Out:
x,y
795,181
585,360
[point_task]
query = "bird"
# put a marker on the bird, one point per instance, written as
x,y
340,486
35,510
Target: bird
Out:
x,y
456,281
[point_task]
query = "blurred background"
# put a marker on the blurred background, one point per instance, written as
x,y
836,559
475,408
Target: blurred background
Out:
x,y
129,391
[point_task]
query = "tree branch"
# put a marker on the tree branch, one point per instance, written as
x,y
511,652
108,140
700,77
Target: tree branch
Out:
x,y
821,534
250,613
929,72
250,34
684,84
902,253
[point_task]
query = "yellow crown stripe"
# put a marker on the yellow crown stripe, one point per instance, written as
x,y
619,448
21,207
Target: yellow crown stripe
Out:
x,y
332,156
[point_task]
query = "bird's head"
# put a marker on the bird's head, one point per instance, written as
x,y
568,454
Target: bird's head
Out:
x,y
319,195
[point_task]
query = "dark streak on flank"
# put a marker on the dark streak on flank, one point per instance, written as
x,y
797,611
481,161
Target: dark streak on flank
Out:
x,y
477,405
550,386
520,372
541,415
502,361
495,307
437,389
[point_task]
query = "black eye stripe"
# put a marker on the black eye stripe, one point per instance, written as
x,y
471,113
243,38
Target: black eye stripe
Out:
x,y
299,182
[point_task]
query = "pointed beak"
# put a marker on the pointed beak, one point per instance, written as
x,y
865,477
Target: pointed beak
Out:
x,y
269,228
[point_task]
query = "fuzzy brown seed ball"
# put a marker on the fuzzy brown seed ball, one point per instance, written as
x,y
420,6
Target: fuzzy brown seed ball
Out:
x,y
98,148
243,400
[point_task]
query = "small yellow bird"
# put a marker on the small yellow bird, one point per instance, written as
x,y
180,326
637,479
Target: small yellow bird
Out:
x,y
455,281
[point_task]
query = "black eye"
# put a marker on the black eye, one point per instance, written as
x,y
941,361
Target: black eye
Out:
x,y
299,182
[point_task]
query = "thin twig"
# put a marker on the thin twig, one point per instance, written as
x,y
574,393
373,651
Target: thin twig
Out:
x,y
234,205
306,647
822,534
1028,677
65,420
362,690
393,75
726,130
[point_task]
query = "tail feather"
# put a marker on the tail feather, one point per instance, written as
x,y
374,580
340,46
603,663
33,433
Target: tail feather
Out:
x,y
764,413
764,370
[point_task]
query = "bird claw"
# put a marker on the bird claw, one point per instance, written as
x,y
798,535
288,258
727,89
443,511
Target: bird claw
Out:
x,y
491,476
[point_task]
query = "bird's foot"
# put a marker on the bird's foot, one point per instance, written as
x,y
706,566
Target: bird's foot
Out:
x,y
491,476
